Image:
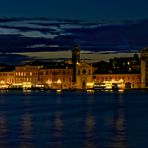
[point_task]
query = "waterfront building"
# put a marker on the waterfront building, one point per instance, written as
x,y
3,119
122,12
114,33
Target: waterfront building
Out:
x,y
27,75
84,75
144,68
7,78
123,72
76,73
57,77
82,71
123,81
125,64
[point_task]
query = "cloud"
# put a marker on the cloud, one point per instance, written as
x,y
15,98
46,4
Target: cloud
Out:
x,y
28,29
12,43
45,34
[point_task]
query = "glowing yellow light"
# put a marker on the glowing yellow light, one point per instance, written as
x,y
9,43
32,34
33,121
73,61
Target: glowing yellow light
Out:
x,y
58,90
121,90
90,91
121,81
108,90
49,82
109,84
59,81
90,84
2,82
27,85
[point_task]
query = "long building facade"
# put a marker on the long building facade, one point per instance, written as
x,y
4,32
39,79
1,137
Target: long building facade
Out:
x,y
75,74
57,78
122,81
144,68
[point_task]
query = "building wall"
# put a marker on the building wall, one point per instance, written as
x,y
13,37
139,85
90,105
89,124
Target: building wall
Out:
x,y
59,78
143,74
62,78
144,68
27,73
7,78
133,79
56,78
84,73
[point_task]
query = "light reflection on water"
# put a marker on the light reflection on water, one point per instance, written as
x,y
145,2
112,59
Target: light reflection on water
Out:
x,y
3,130
58,131
119,139
89,124
26,131
68,119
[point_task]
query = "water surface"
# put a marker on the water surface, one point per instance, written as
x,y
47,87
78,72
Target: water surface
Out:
x,y
73,119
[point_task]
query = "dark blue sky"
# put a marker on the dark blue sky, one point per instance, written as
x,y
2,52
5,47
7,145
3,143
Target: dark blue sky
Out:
x,y
76,9
107,32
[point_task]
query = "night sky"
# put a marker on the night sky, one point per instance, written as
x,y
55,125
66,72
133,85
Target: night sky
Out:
x,y
100,27
76,9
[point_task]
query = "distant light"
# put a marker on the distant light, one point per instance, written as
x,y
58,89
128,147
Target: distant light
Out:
x,y
90,85
128,63
2,82
58,90
27,85
59,81
49,82
90,91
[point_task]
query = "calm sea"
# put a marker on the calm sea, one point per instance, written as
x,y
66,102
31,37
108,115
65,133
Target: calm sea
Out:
x,y
74,119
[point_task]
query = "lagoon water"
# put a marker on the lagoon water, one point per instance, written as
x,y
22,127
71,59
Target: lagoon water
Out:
x,y
73,119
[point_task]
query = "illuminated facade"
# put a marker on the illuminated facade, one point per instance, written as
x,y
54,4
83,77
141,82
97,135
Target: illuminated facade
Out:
x,y
7,78
82,71
122,81
144,68
75,74
56,78
84,75
27,75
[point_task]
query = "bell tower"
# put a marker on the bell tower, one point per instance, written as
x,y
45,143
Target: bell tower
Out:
x,y
75,60
76,55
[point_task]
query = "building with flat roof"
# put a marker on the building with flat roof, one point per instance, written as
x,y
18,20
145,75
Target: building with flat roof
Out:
x,y
77,74
144,68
